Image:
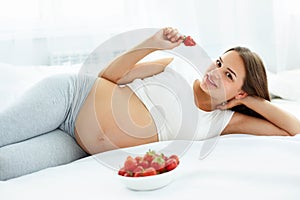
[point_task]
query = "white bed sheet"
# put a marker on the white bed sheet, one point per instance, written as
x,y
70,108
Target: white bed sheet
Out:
x,y
239,167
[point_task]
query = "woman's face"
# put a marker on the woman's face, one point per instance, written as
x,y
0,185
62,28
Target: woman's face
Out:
x,y
224,79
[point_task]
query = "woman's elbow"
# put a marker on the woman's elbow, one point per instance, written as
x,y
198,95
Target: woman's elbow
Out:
x,y
293,132
113,79
296,128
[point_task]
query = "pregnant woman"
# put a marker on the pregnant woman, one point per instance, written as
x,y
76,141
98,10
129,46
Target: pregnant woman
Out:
x,y
132,103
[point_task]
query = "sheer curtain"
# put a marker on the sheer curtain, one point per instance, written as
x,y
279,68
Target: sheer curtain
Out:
x,y
269,27
287,31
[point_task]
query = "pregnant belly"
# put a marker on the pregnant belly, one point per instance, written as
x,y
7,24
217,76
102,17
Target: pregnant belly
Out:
x,y
113,117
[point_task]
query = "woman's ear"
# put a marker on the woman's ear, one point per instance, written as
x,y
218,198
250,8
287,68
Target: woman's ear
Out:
x,y
242,94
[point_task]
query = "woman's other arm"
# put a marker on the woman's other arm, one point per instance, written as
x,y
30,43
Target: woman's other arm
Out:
x,y
166,38
277,121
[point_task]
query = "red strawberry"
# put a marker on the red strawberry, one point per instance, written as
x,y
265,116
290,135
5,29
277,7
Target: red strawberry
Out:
x,y
138,169
130,164
138,172
149,172
171,164
138,159
144,163
188,41
158,163
175,157
149,156
128,174
164,157
122,171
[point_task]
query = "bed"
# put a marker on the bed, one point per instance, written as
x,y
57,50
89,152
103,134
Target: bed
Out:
x,y
238,167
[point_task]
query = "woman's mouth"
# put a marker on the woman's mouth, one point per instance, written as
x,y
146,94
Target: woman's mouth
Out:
x,y
209,81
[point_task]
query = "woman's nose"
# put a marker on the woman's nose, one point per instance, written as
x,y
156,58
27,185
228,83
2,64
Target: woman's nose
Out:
x,y
216,73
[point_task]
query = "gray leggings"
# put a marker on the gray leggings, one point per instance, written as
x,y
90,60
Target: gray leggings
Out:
x,y
37,131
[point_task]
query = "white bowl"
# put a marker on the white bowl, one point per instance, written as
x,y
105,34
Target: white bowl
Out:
x,y
149,182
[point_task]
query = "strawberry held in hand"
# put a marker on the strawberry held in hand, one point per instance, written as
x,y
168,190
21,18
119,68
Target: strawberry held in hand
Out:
x,y
188,41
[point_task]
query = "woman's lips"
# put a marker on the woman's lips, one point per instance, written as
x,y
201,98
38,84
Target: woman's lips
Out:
x,y
209,81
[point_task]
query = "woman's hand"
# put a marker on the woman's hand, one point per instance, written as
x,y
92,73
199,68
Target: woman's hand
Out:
x,y
166,38
229,104
235,102
242,101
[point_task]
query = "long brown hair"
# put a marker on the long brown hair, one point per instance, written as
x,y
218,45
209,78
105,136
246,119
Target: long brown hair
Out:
x,y
255,82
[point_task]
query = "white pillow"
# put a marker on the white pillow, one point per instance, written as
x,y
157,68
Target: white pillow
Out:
x,y
285,84
14,80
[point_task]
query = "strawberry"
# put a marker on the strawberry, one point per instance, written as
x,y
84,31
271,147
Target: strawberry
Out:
x,y
128,174
130,164
149,156
122,171
158,163
138,169
138,172
144,163
138,159
171,164
164,157
188,41
175,157
150,171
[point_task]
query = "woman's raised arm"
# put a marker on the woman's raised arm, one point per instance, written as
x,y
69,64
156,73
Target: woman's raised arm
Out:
x,y
167,38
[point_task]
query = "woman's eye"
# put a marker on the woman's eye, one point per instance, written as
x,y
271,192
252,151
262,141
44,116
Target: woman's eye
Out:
x,y
229,75
219,64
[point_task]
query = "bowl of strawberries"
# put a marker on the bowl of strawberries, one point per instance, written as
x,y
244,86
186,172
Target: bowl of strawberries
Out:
x,y
149,171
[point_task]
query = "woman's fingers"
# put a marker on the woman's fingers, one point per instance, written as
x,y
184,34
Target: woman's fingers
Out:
x,y
168,30
229,104
172,34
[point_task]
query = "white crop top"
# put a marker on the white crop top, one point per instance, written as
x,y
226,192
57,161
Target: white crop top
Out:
x,y
170,100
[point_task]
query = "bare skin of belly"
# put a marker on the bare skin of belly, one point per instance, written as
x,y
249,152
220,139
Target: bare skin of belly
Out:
x,y
113,117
